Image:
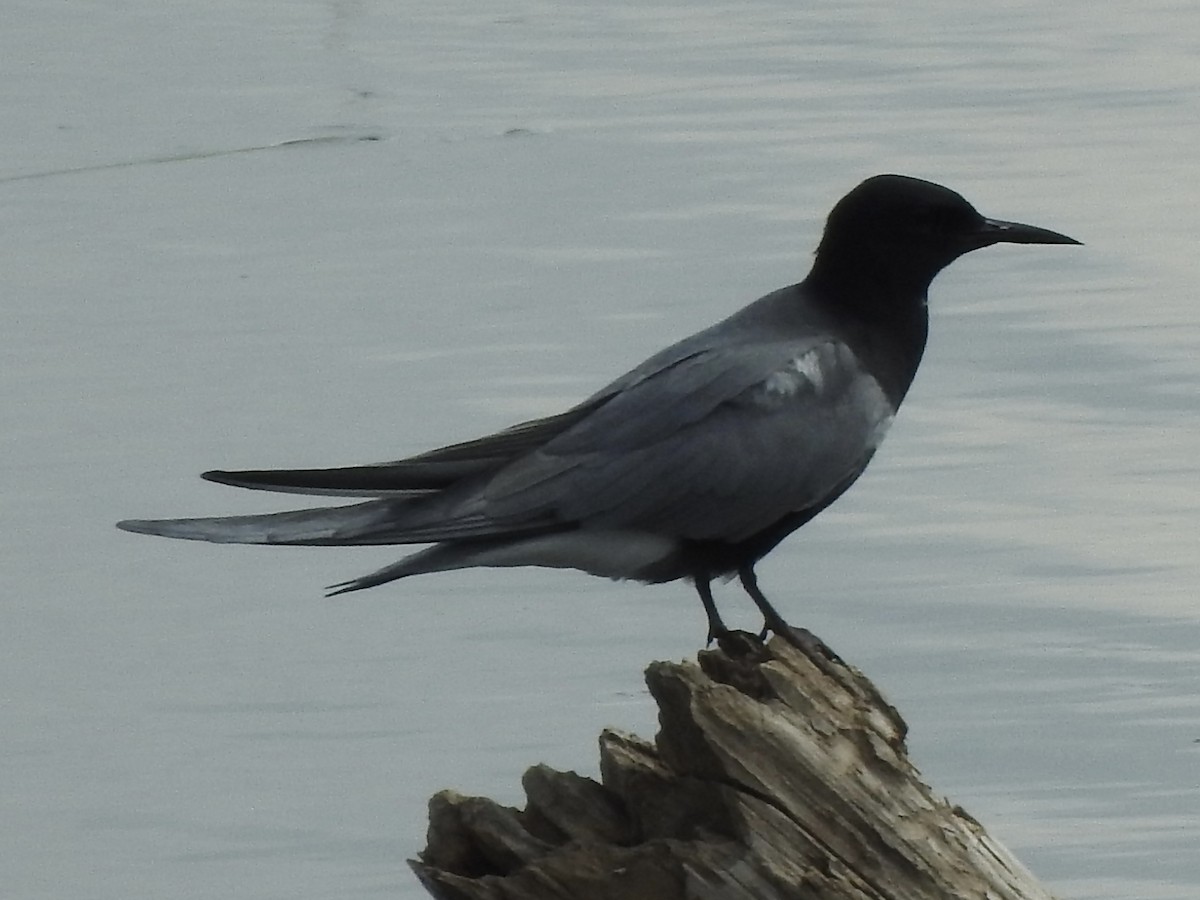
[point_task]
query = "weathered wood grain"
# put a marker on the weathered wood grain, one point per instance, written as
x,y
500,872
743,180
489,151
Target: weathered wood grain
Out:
x,y
776,773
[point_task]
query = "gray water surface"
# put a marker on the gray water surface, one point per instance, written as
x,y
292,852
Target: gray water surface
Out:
x,y
258,234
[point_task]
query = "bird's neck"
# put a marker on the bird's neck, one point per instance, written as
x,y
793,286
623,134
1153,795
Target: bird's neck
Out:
x,y
878,284
884,319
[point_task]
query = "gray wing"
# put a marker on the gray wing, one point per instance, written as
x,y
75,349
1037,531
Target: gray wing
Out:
x,y
422,474
717,446
691,369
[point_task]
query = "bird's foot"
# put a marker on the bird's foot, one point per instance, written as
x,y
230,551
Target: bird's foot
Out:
x,y
734,643
807,643
800,638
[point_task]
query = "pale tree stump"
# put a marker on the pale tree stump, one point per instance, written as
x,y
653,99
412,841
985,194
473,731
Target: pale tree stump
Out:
x,y
776,773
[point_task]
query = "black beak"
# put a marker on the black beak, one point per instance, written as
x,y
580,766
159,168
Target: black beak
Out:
x,y
996,231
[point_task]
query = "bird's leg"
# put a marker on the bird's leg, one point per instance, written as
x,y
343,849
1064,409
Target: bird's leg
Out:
x,y
716,627
772,620
801,638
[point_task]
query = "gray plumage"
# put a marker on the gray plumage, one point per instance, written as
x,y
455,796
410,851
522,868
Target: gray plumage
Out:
x,y
692,465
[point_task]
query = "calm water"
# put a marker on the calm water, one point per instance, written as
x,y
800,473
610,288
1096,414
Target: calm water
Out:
x,y
507,206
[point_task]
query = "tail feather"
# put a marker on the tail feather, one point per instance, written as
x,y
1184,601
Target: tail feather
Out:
x,y
387,521
356,524
438,558
610,554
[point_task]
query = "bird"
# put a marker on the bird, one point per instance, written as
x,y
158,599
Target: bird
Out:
x,y
691,466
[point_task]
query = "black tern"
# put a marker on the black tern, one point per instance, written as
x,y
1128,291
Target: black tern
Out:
x,y
693,465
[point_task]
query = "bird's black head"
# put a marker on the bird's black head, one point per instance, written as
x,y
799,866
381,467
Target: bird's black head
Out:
x,y
892,234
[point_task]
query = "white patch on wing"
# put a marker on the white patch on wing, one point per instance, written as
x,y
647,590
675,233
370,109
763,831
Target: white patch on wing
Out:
x,y
805,371
850,402
825,371
810,366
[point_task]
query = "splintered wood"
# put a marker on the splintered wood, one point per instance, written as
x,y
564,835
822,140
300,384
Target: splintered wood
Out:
x,y
776,773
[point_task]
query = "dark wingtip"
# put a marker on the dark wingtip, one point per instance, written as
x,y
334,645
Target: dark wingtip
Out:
x,y
265,480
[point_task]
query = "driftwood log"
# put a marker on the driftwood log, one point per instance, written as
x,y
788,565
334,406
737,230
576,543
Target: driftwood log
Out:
x,y
776,773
